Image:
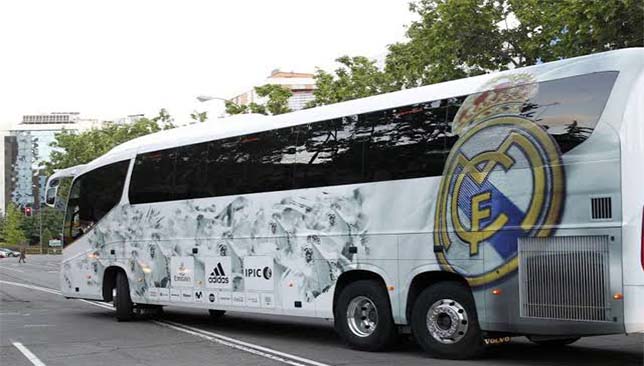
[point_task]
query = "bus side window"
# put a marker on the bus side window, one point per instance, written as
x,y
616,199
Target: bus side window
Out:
x,y
153,177
191,173
92,196
331,152
408,142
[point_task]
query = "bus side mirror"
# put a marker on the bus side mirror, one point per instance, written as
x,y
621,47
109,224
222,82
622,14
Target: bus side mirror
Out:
x,y
51,192
50,196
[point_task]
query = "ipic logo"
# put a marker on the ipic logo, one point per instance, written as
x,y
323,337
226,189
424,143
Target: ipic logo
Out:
x,y
218,275
265,273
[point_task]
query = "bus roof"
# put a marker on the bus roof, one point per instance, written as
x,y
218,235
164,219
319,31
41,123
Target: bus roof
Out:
x,y
628,61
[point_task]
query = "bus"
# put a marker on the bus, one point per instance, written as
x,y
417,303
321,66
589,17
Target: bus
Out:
x,y
465,212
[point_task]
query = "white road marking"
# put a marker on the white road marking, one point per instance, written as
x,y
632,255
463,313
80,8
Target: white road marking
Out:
x,y
37,325
30,356
12,269
32,287
235,343
265,352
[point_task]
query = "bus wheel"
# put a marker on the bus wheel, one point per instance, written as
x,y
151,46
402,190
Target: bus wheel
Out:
x,y
216,314
553,342
444,322
122,300
363,316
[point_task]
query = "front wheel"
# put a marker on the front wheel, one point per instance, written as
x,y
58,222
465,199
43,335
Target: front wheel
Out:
x,y
363,316
122,300
444,322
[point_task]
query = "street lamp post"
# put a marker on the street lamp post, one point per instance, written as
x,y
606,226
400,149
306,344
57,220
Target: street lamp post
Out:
x,y
205,98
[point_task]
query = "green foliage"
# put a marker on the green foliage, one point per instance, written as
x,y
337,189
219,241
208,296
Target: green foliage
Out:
x,y
357,77
276,101
233,108
277,96
199,116
460,38
46,236
52,222
12,230
454,39
79,148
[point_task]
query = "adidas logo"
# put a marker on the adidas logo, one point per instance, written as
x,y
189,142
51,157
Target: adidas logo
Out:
x,y
217,275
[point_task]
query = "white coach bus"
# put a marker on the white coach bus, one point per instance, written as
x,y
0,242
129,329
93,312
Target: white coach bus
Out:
x,y
467,212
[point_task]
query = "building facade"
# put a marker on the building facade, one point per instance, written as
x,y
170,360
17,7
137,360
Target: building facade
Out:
x,y
27,146
300,84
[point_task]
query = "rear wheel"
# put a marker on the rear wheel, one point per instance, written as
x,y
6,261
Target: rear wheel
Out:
x,y
216,314
553,342
444,322
122,301
363,316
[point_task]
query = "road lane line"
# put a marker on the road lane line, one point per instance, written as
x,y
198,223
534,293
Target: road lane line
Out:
x,y
241,343
11,269
37,325
229,344
27,353
96,303
32,287
266,352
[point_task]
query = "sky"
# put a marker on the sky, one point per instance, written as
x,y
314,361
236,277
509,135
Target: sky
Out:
x,y
114,58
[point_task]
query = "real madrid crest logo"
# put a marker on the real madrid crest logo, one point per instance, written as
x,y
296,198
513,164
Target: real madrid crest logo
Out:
x,y
503,180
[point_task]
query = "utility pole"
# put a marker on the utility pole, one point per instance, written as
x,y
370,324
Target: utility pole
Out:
x,y
40,236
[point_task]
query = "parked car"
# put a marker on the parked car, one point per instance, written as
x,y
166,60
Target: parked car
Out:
x,y
9,253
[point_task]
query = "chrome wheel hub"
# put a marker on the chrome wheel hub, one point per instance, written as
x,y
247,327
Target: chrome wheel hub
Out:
x,y
447,321
362,316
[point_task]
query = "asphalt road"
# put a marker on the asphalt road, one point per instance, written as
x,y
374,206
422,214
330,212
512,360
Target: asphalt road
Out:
x,y
55,331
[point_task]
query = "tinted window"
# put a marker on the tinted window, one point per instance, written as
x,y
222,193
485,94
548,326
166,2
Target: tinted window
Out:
x,y
228,163
91,197
153,177
408,142
331,152
254,163
405,142
191,178
570,108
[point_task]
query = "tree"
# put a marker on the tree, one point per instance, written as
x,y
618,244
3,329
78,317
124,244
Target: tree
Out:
x,y
72,148
460,38
276,96
234,108
199,116
357,77
13,233
52,222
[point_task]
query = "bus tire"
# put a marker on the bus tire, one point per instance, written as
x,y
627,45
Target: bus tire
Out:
x,y
122,300
363,316
444,322
216,314
554,342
